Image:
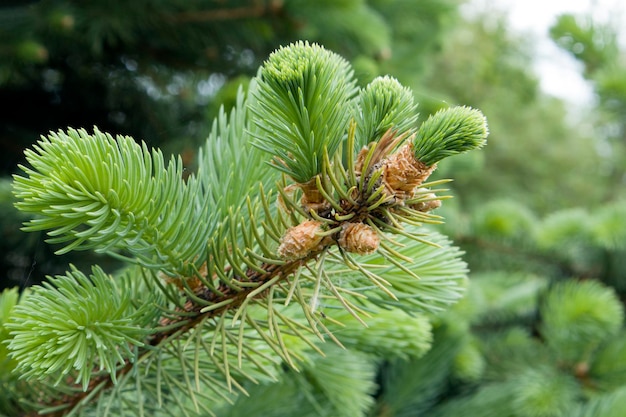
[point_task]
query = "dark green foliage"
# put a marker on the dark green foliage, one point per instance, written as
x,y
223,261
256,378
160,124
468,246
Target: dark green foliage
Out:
x,y
411,387
142,63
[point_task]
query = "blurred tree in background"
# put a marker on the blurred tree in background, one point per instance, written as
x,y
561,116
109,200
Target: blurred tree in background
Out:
x,y
595,45
485,65
540,213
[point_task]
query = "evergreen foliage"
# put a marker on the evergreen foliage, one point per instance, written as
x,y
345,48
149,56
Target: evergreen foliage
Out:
x,y
458,130
543,152
597,47
102,327
383,102
311,88
541,331
86,188
160,74
578,317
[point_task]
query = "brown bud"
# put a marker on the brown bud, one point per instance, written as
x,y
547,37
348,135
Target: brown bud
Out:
x,y
403,172
358,238
385,145
426,206
312,199
300,240
430,202
581,370
192,282
360,160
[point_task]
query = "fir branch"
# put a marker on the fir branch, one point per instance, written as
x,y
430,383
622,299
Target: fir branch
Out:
x,y
229,168
236,287
578,317
252,253
410,386
410,337
192,316
349,388
607,370
187,320
609,229
432,281
609,404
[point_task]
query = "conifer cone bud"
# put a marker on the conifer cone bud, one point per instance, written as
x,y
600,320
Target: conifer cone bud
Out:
x,y
301,240
425,206
311,197
360,160
403,173
385,145
358,238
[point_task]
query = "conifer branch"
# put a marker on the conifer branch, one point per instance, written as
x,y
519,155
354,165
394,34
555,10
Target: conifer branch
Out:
x,y
338,231
192,315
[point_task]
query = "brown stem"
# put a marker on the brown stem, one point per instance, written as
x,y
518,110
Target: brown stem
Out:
x,y
257,9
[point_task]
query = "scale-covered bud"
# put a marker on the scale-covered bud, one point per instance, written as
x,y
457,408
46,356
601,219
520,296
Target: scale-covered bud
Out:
x,y
428,201
358,238
312,198
403,173
301,240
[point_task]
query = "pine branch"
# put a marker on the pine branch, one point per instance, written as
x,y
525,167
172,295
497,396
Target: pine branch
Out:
x,y
449,132
500,248
191,316
578,317
303,102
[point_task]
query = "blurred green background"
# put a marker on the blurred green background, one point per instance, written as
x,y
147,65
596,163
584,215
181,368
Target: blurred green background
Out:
x,y
544,204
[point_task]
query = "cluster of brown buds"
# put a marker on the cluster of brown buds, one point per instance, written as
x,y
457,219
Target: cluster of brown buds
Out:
x,y
394,176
